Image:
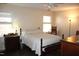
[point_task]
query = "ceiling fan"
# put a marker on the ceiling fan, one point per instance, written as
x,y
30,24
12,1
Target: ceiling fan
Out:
x,y
51,5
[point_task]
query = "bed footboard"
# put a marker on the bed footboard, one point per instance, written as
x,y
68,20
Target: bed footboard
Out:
x,y
48,48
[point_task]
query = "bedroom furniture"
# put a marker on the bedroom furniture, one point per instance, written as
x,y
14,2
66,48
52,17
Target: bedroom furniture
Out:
x,y
54,30
62,36
33,41
21,46
69,48
12,42
20,31
77,32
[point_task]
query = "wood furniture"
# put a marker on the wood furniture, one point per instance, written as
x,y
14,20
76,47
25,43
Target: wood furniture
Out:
x,y
69,49
54,30
12,42
77,32
62,36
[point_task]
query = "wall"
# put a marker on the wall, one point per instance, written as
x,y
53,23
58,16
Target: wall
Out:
x,y
23,16
62,21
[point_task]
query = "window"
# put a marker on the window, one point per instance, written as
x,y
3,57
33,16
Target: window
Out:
x,y
5,23
5,19
46,23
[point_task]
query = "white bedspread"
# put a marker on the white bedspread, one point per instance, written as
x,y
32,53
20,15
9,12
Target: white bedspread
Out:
x,y
34,41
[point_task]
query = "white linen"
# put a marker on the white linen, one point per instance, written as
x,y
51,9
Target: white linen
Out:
x,y
33,40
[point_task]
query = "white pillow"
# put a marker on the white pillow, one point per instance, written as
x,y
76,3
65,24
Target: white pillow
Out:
x,y
24,33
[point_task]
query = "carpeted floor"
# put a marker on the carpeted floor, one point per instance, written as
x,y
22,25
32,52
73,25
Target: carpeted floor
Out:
x,y
26,51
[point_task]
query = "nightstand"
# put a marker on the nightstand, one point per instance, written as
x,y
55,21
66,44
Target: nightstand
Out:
x,y
12,42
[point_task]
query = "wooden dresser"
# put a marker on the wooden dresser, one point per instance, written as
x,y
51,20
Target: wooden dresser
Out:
x,y
69,49
12,42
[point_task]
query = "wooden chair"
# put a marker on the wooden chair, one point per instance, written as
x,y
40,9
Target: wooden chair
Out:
x,y
77,32
54,30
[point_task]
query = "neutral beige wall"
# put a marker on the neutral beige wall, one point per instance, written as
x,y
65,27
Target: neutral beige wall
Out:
x,y
62,21
24,17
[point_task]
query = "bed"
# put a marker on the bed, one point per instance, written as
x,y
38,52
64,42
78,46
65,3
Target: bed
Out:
x,y
37,40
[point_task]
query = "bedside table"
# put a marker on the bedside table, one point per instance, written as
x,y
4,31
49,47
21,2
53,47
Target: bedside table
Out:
x,y
12,42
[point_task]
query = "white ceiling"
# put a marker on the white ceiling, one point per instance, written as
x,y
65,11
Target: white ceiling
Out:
x,y
46,6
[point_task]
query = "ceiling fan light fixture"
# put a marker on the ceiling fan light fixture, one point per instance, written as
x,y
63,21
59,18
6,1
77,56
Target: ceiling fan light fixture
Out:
x,y
49,6
54,5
